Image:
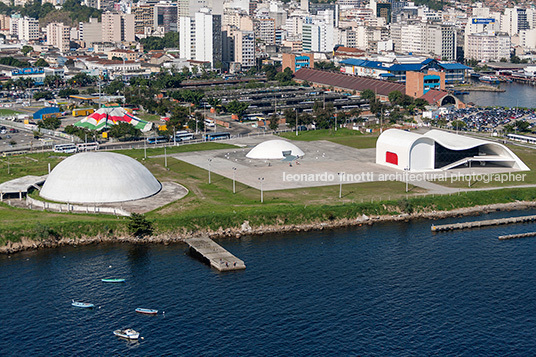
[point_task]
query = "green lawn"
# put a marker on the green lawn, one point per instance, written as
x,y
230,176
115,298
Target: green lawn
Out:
x,y
7,112
214,205
343,136
148,117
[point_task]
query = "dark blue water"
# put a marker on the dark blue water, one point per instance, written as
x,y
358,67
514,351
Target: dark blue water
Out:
x,y
515,95
387,289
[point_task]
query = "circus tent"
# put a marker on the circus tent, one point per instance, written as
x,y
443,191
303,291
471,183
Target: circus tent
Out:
x,y
106,117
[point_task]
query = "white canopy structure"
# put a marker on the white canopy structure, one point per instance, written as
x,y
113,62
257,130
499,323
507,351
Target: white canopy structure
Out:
x,y
99,177
440,150
274,149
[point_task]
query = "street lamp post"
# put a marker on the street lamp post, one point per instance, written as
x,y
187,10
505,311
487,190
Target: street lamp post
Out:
x,y
261,179
145,149
340,183
165,157
296,121
406,169
234,179
209,161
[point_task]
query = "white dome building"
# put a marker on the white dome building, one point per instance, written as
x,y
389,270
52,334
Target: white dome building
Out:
x,y
99,177
274,149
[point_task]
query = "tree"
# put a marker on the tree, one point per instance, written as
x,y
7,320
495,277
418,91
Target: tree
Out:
x,y
421,103
41,63
395,97
66,92
274,122
26,49
114,87
271,71
284,77
139,226
47,95
290,117
368,94
124,130
522,125
236,107
51,123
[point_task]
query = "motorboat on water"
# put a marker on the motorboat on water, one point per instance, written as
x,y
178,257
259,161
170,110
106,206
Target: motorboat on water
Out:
x,y
127,333
146,311
84,305
113,280
489,79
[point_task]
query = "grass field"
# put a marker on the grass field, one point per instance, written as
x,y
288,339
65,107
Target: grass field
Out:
x,y
8,112
148,117
343,136
214,205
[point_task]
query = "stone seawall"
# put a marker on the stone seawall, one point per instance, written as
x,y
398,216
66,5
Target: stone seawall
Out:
x,y
247,230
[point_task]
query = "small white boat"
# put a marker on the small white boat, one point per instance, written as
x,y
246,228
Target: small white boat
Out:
x,y
141,310
127,333
84,305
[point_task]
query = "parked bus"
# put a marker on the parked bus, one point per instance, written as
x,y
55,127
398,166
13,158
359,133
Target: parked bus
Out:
x,y
157,139
217,136
93,146
82,112
65,148
183,135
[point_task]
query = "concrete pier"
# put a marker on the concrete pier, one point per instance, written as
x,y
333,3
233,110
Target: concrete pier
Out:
x,y
477,224
519,235
213,254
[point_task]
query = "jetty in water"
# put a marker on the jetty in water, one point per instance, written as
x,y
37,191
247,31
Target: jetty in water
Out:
x,y
213,254
519,235
478,224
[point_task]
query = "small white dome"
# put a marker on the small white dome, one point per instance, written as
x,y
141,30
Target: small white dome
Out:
x,y
99,177
274,149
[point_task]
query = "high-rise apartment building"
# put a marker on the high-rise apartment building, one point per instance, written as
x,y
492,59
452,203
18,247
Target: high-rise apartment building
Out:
x,y
143,17
166,17
265,31
25,28
117,27
488,47
514,20
59,36
201,37
244,48
90,32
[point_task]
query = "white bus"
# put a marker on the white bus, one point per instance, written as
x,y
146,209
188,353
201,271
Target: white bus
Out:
x,y
93,146
65,148
183,135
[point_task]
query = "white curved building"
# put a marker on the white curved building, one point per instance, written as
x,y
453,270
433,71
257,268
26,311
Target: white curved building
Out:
x,y
99,177
441,150
274,149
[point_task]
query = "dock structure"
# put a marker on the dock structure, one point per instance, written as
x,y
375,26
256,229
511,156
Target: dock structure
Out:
x,y
213,254
478,224
519,235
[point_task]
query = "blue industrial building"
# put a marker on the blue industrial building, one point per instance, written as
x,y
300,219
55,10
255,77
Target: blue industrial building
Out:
x,y
454,72
46,113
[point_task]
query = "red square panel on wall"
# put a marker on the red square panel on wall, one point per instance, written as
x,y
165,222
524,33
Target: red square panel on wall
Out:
x,y
391,158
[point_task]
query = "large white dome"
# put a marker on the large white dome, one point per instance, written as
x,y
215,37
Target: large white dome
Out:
x,y
274,149
99,177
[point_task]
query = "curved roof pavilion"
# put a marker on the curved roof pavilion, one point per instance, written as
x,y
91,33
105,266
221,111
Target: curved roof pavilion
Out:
x,y
99,177
274,149
441,150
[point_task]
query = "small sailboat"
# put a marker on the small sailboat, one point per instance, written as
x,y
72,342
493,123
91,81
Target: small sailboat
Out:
x,y
127,333
146,311
113,280
84,305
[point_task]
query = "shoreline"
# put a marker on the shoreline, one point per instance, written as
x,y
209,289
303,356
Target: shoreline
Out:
x,y
246,230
